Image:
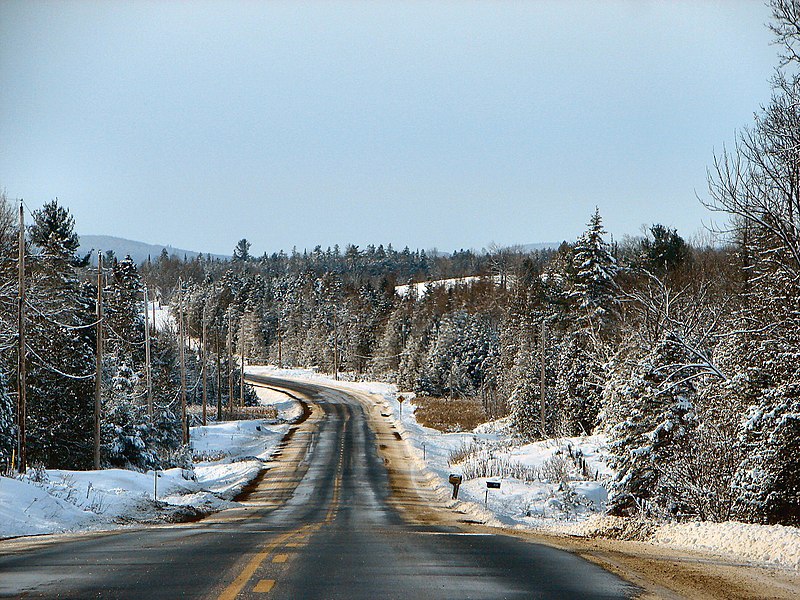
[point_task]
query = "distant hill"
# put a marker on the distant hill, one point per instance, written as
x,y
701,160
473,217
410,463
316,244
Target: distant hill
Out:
x,y
139,251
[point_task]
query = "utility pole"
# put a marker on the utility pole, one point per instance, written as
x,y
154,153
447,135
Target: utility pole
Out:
x,y
335,348
22,350
148,366
98,365
204,357
280,340
241,377
184,418
219,375
230,365
542,413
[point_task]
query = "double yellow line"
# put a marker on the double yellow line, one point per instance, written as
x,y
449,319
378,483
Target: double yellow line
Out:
x,y
266,585
233,590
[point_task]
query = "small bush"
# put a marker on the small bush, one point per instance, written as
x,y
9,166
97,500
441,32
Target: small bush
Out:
x,y
556,469
478,460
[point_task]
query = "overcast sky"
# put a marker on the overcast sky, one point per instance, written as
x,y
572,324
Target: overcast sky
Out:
x,y
427,124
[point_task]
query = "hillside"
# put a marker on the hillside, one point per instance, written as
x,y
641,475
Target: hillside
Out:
x,y
139,251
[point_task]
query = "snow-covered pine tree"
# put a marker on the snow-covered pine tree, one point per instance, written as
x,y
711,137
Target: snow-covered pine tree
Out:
x,y
7,424
61,346
594,271
579,384
657,405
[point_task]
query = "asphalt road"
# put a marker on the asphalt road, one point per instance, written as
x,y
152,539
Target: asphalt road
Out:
x,y
320,524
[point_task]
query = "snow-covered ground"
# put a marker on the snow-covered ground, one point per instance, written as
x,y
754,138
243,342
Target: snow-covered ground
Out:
x,y
228,455
532,500
163,318
421,288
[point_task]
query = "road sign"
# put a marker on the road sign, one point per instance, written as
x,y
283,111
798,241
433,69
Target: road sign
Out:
x,y
493,485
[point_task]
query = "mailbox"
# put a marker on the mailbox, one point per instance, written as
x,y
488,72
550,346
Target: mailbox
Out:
x,y
455,481
493,485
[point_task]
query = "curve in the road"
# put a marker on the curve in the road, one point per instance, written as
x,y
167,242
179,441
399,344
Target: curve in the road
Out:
x,y
327,520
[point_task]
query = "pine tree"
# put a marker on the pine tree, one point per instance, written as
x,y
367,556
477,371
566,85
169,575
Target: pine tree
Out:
x,y
594,272
579,384
7,425
657,409
61,347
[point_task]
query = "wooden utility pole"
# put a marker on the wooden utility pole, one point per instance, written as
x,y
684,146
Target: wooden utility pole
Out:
x,y
184,417
335,348
148,366
230,365
280,340
219,375
22,351
98,365
542,412
204,358
241,376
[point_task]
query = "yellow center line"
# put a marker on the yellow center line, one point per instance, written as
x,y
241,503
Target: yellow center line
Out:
x,y
337,483
236,586
280,558
264,586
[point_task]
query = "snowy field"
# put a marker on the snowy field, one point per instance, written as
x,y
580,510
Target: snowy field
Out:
x,y
421,288
553,490
163,318
228,455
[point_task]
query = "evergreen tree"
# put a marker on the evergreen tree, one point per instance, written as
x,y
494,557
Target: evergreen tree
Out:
x,y
7,425
594,272
60,345
658,412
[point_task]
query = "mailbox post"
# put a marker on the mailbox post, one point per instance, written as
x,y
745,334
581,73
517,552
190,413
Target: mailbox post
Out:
x,y
455,481
490,485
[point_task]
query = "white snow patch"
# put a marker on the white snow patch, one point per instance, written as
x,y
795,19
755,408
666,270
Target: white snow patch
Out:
x,y
111,498
771,544
163,318
422,288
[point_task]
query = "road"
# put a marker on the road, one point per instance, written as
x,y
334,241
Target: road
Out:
x,y
338,514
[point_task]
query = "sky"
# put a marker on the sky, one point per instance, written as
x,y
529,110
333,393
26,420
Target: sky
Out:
x,y
423,124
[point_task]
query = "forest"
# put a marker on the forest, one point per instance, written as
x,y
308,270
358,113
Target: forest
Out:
x,y
685,352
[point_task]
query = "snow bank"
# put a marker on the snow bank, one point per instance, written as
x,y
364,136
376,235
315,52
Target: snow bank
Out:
x,y
228,456
771,544
288,408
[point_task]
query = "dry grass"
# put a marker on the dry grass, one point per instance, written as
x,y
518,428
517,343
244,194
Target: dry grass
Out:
x,y
449,415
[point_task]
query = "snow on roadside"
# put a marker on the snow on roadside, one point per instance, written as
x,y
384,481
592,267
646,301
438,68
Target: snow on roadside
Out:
x,y
228,455
288,408
773,545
